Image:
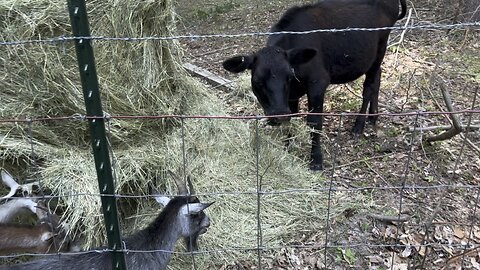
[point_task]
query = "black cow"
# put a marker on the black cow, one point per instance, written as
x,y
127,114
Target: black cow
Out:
x,y
293,65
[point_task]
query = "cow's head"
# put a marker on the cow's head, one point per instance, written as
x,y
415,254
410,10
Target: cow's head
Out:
x,y
272,70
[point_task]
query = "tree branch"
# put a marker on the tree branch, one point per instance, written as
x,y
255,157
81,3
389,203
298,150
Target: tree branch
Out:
x,y
456,127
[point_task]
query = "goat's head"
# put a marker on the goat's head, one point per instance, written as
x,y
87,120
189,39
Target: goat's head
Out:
x,y
9,181
55,234
190,216
45,236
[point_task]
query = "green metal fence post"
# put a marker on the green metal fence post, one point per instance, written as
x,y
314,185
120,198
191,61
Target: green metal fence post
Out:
x,y
88,75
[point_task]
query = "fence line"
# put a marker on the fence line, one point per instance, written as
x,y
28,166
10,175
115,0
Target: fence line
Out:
x,y
266,193
259,191
246,249
61,39
229,117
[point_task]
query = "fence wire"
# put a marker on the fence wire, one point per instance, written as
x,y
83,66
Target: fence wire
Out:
x,y
61,39
309,191
259,191
81,117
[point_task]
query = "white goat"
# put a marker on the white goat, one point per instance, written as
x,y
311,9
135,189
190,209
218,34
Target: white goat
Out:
x,y
43,237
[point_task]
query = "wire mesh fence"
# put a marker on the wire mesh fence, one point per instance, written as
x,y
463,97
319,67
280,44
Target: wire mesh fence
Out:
x,y
332,185
401,187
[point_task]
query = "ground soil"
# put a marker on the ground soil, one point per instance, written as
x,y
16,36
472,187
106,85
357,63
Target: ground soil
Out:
x,y
434,185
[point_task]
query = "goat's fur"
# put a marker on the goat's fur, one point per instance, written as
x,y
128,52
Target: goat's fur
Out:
x,y
44,237
174,222
25,238
11,209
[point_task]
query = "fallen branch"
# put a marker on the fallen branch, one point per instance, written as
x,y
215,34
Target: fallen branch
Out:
x,y
456,128
455,258
444,127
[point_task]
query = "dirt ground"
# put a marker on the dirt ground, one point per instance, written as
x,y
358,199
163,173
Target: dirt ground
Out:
x,y
433,185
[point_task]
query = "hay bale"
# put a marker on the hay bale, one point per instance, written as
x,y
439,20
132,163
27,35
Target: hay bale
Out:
x,y
146,78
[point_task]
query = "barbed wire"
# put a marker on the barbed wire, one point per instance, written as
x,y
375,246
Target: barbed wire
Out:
x,y
61,39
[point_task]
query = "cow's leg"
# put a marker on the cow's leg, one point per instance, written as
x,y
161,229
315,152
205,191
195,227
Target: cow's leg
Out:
x,y
372,82
375,88
316,162
371,87
316,96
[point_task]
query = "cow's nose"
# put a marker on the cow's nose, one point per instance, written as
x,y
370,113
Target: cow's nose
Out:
x,y
275,121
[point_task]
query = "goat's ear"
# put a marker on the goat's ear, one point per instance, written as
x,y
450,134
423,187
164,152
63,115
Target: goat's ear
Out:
x,y
300,56
163,200
238,64
194,208
7,179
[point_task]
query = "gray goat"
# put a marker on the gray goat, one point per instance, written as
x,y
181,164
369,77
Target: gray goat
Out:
x,y
182,216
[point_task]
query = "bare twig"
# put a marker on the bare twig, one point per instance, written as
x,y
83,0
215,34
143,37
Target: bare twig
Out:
x,y
402,35
471,144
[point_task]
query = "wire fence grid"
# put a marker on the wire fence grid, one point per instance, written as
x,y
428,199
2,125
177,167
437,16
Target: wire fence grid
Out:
x,y
259,192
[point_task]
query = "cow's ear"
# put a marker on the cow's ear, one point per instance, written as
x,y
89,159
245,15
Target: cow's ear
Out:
x,y
300,56
238,64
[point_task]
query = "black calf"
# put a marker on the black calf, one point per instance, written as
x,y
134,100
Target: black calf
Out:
x,y
291,66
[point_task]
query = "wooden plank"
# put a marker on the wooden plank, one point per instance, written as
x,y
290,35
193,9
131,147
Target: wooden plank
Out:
x,y
211,78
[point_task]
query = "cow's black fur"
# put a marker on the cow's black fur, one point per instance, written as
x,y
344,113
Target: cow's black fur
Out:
x,y
292,65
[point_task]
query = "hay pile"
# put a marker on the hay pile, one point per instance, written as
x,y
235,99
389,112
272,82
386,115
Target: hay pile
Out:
x,y
143,78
